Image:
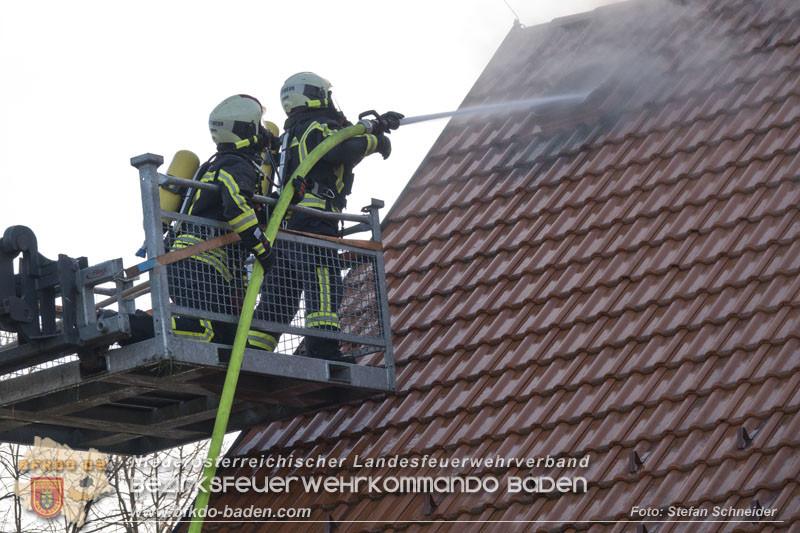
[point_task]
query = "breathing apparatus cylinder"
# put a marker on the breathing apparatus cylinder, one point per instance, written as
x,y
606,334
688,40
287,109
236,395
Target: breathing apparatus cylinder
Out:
x,y
266,166
184,164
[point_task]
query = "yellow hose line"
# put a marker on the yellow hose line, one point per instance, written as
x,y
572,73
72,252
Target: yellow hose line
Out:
x,y
246,318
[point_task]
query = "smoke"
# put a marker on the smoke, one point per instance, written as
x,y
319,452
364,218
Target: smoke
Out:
x,y
623,55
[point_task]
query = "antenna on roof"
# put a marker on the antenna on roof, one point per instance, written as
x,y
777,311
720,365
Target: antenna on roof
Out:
x,y
517,23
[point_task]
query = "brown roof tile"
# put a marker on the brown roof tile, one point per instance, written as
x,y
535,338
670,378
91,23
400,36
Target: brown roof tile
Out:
x,y
620,277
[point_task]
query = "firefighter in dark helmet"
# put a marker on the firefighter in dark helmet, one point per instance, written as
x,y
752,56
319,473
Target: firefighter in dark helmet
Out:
x,y
311,118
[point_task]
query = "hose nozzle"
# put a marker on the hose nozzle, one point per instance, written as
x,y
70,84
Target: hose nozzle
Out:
x,y
384,123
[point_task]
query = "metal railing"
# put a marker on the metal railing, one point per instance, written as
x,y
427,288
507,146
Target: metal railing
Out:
x,y
349,275
80,376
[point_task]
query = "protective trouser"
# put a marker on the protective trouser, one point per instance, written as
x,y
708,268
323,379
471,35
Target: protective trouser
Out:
x,y
198,285
302,269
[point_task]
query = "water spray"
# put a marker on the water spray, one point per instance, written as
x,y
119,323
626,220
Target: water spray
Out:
x,y
499,108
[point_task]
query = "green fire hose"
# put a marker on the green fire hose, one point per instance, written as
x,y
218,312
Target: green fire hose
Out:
x,y
246,318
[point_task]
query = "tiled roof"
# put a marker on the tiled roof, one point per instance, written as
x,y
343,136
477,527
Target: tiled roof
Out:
x,y
618,279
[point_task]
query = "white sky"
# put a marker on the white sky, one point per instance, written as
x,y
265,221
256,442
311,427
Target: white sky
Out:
x,y
89,84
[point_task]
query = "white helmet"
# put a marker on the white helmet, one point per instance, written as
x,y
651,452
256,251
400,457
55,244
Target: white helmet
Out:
x,y
305,89
235,118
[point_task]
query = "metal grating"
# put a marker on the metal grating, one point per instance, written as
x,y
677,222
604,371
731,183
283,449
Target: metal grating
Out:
x,y
163,391
8,340
341,281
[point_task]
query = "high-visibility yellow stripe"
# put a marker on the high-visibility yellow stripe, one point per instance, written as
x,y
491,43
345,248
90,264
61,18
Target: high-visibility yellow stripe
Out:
x,y
372,144
322,319
317,203
248,217
207,178
210,257
309,200
303,147
202,336
321,284
207,258
244,221
185,240
194,200
327,289
339,178
318,323
262,340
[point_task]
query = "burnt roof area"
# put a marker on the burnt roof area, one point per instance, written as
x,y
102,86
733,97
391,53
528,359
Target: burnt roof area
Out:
x,y
617,279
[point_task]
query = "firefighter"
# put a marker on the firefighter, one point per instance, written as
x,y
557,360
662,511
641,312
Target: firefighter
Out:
x,y
311,118
213,281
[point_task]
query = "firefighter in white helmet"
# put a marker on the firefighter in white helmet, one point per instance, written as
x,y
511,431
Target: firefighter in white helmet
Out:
x,y
212,281
311,118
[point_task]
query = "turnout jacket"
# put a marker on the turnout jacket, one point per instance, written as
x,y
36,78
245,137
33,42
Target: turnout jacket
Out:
x,y
238,178
331,179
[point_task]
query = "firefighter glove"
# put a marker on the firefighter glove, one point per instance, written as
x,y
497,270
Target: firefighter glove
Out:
x,y
384,146
299,189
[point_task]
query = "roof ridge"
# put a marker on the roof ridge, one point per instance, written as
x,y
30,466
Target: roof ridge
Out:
x,y
656,108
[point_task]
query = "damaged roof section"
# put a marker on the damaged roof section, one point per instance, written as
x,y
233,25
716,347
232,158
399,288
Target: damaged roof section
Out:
x,y
617,280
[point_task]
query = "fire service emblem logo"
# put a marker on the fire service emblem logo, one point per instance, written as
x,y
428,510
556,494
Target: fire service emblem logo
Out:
x,y
47,495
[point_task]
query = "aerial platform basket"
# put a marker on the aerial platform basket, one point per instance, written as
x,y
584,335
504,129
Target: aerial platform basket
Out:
x,y
163,391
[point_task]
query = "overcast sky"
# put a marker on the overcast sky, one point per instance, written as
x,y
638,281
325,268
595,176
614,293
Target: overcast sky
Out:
x,y
89,84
